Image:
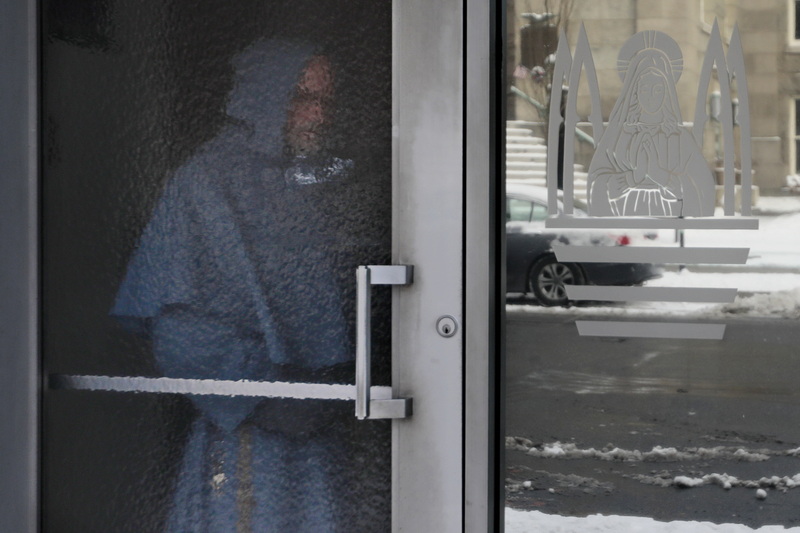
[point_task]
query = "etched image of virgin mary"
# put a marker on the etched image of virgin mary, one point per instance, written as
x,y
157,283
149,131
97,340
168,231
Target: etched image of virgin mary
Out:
x,y
647,163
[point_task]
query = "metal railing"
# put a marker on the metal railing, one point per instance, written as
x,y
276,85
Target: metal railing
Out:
x,y
582,136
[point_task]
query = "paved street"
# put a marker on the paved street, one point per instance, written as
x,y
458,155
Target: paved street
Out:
x,y
737,399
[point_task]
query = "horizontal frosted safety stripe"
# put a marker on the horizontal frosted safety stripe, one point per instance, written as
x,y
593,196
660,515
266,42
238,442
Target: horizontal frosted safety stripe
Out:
x,y
650,294
653,330
567,222
263,389
651,254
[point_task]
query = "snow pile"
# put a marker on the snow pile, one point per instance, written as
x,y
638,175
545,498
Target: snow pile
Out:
x,y
726,481
793,183
529,521
559,450
690,482
569,450
784,304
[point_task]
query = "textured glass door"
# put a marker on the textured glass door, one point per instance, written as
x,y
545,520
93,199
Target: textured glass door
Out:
x,y
213,175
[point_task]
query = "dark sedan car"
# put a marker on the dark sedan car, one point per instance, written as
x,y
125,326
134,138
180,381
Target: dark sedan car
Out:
x,y
532,267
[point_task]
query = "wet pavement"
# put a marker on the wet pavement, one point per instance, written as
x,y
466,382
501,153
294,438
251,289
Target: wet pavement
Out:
x,y
726,407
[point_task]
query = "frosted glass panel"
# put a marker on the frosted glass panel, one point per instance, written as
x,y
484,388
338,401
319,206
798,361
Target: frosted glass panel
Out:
x,y
213,174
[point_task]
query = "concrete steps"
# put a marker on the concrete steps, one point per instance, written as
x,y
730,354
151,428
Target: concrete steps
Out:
x,y
519,148
526,158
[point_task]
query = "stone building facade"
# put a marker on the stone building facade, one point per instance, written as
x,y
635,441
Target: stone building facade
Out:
x,y
771,46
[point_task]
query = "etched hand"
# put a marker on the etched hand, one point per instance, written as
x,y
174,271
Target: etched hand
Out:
x,y
618,185
642,163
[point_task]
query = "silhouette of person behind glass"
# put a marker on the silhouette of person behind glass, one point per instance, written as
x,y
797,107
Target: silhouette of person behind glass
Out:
x,y
244,272
646,163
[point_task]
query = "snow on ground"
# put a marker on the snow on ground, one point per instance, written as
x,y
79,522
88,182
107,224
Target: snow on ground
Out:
x,y
570,450
524,521
744,281
535,521
775,244
775,304
777,205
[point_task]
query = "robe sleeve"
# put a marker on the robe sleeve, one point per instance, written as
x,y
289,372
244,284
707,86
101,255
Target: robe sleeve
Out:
x,y
192,288
192,254
160,271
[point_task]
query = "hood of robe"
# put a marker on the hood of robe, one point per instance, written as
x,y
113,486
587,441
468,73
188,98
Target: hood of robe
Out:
x,y
234,240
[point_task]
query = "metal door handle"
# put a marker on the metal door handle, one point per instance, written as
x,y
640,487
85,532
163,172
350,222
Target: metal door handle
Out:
x,y
366,276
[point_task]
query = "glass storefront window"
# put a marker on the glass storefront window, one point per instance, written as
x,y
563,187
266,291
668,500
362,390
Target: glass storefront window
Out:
x,y
652,317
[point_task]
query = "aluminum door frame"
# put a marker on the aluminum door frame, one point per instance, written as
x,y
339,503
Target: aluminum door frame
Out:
x,y
484,265
427,134
19,360
447,147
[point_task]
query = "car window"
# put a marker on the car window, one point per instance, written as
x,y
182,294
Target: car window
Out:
x,y
518,210
539,212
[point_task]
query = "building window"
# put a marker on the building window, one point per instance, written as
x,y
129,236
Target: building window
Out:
x,y
794,23
796,26
796,135
538,39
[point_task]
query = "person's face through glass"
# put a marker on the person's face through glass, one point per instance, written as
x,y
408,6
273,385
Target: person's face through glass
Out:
x,y
651,92
310,109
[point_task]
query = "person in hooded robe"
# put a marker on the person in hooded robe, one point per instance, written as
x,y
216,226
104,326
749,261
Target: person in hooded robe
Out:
x,y
245,272
647,163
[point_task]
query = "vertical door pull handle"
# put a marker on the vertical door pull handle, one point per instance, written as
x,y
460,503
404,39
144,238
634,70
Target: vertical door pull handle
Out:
x,y
366,276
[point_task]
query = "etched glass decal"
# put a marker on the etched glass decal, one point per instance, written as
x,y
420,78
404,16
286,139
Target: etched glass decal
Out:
x,y
648,172
646,163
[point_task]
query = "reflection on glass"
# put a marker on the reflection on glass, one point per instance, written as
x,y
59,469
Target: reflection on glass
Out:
x,y
667,428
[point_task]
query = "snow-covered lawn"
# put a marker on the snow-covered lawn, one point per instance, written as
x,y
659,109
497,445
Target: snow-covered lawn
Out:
x,y
775,243
537,522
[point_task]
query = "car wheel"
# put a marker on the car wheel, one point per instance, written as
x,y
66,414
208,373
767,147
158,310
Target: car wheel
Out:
x,y
547,280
